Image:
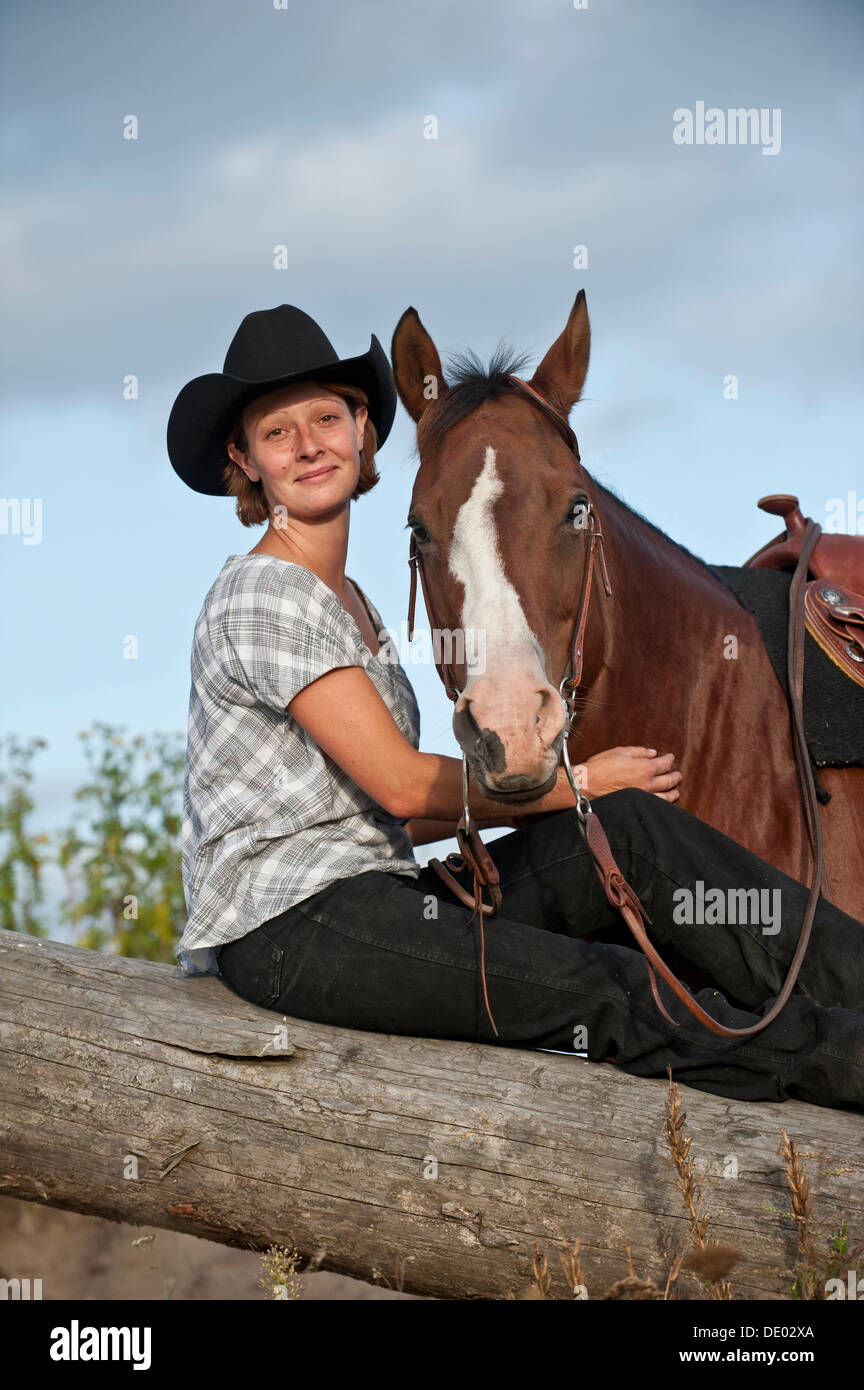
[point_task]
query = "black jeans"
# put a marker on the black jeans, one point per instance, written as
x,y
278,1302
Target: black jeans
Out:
x,y
389,954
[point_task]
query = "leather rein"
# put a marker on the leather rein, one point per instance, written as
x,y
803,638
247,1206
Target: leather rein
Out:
x,y
473,853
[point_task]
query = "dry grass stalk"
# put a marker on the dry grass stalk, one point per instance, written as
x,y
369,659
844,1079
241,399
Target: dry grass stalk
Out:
x,y
799,1200
571,1264
671,1290
540,1270
679,1146
671,1259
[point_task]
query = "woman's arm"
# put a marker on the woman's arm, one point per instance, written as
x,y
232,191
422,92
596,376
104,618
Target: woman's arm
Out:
x,y
615,769
343,712
428,832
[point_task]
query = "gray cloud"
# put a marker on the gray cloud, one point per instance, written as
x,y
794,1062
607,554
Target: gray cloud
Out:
x,y
304,128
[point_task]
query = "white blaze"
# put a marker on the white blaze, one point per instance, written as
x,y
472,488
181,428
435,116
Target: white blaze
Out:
x,y
491,604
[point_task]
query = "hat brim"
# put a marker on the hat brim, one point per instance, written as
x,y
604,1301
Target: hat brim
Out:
x,y
206,408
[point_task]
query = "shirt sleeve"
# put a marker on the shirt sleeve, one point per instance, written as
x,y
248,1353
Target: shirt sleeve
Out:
x,y
283,628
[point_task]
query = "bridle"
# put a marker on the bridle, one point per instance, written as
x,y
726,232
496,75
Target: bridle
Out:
x,y
473,853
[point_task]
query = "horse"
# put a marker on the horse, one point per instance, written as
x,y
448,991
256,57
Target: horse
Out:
x,y
670,659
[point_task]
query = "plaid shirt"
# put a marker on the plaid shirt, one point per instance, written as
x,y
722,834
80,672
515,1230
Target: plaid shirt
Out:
x,y
268,818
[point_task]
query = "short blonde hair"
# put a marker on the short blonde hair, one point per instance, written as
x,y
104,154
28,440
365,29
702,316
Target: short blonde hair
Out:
x,y
252,506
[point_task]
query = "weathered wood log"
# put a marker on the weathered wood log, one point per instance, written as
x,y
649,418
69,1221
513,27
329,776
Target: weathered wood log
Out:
x,y
437,1163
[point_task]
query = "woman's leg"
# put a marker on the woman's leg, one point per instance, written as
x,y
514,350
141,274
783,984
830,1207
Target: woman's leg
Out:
x,y
666,854
374,953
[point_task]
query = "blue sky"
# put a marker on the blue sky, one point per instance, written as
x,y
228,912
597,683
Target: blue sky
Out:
x,y
303,126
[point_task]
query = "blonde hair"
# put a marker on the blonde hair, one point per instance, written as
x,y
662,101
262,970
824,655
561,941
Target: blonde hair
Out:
x,y
252,506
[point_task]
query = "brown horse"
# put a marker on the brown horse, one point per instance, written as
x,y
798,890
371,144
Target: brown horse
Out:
x,y
670,659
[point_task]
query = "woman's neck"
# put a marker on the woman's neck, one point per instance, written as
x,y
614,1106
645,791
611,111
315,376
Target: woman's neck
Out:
x,y
326,559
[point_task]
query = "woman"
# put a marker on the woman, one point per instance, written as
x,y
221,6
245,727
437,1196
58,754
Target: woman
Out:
x,y
305,790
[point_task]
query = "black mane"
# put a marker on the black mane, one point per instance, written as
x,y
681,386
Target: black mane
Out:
x,y
607,491
470,384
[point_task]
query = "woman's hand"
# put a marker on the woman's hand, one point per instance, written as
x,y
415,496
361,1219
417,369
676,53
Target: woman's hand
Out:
x,y
632,767
615,769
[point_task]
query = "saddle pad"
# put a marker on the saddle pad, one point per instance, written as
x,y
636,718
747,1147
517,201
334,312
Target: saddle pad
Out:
x,y
833,704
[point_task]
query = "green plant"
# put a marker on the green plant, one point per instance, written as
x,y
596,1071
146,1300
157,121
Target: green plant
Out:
x,y
22,856
122,856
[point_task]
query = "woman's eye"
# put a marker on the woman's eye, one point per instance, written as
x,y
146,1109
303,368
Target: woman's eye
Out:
x,y
328,417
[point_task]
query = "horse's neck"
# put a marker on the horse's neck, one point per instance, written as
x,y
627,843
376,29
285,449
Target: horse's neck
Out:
x,y
673,662
665,610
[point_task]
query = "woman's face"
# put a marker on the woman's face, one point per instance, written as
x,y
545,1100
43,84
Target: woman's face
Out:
x,y
304,447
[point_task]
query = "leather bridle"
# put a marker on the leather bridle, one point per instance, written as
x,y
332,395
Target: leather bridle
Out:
x,y
474,855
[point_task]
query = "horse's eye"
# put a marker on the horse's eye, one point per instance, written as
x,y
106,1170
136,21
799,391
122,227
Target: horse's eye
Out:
x,y
420,534
578,515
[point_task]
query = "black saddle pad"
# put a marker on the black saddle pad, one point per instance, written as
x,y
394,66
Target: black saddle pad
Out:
x,y
833,704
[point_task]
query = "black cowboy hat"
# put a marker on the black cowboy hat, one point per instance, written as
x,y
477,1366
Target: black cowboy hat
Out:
x,y
271,348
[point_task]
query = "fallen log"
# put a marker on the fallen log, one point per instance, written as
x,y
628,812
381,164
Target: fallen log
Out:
x,y
131,1092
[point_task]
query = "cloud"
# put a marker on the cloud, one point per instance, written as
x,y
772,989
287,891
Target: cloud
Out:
x,y
554,130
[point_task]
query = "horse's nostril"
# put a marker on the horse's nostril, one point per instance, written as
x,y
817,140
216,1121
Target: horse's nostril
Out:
x,y
467,715
482,743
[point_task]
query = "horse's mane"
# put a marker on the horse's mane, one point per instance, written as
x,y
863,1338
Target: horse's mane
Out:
x,y
625,506
470,383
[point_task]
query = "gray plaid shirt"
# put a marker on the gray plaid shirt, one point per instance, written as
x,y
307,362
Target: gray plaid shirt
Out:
x,y
268,818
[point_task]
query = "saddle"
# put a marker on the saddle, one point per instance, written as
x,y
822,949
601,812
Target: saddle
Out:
x,y
834,592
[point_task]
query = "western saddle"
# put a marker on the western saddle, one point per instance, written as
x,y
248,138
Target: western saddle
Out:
x,y
834,593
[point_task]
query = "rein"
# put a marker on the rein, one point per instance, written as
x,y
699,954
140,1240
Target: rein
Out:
x,y
473,853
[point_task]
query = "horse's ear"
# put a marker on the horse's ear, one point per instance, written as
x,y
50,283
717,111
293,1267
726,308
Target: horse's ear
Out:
x,y
561,375
416,365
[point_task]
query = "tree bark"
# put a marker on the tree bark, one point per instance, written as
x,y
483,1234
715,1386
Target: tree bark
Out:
x,y
437,1164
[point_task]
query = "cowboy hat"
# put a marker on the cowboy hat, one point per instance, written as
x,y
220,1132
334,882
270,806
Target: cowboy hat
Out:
x,y
271,348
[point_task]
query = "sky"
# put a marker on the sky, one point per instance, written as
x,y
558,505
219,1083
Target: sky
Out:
x,y
304,126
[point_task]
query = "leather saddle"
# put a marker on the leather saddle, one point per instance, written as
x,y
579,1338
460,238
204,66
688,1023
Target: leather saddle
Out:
x,y
834,595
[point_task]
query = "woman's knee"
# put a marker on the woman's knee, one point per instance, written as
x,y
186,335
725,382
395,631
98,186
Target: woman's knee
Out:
x,y
632,817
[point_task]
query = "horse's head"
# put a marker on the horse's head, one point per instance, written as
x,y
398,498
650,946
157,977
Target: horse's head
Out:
x,y
498,519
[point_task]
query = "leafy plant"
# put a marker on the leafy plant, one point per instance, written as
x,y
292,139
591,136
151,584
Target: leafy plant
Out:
x,y
22,854
122,854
